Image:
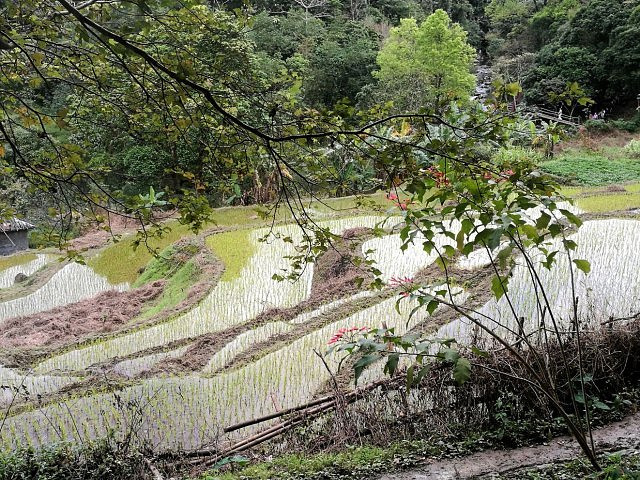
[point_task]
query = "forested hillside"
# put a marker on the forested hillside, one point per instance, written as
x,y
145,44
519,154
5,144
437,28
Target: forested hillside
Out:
x,y
271,61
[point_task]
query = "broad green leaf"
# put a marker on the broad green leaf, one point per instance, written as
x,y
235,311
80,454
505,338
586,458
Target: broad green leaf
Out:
x,y
499,286
363,363
583,265
462,370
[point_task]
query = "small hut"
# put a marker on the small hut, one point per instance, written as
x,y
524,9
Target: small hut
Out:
x,y
14,236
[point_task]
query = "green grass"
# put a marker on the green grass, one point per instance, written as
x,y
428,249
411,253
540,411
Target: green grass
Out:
x,y
234,249
593,169
609,203
175,291
121,263
301,466
598,199
15,260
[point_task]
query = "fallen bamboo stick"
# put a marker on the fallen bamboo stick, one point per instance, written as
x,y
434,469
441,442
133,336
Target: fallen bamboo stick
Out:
x,y
304,406
271,416
304,412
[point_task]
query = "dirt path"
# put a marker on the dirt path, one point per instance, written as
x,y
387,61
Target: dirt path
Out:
x,y
617,436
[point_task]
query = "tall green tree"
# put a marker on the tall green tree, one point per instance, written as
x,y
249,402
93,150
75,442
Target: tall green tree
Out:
x,y
426,65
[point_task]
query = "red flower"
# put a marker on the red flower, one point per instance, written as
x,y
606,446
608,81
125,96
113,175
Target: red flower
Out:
x,y
398,281
392,196
337,337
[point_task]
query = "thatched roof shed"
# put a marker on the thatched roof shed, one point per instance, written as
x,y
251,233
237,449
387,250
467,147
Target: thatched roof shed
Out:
x,y
15,225
14,235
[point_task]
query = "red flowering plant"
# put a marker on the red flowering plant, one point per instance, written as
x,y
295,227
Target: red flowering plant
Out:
x,y
400,203
369,346
463,201
345,333
406,284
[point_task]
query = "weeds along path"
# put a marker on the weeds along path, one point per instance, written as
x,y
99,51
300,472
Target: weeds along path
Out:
x,y
618,436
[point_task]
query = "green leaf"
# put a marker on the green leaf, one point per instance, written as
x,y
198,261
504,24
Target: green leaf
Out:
x,y
478,352
421,374
237,459
450,355
498,287
432,306
543,221
600,405
462,371
392,364
583,265
363,363
571,217
410,378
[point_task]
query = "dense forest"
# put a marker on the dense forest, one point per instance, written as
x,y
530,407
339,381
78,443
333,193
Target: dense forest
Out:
x,y
270,61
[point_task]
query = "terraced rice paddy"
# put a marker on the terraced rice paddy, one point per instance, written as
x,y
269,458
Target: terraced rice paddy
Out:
x,y
72,283
240,379
609,245
7,276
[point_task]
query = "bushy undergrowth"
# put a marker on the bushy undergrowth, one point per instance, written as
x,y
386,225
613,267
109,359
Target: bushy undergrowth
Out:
x,y
440,419
631,125
633,149
104,460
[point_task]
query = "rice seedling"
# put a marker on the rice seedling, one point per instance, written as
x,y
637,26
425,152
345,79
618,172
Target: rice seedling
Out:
x,y
33,264
189,411
135,366
243,343
18,386
234,248
74,282
230,303
327,307
609,245
16,260
393,262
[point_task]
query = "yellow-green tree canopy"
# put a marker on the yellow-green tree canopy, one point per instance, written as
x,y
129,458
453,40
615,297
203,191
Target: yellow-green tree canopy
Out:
x,y
426,65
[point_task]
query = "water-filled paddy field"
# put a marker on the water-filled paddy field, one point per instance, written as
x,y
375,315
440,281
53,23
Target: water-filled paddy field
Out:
x,y
262,336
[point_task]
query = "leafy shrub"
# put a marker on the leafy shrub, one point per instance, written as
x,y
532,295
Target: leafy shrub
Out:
x,y
633,149
631,126
598,126
508,156
592,169
107,460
